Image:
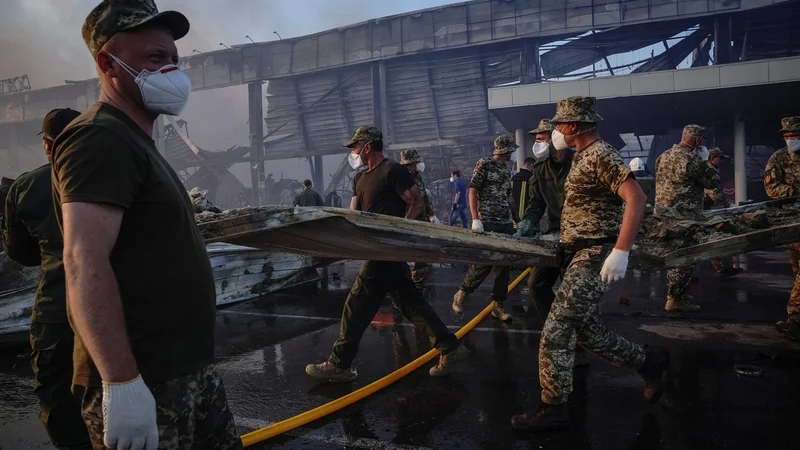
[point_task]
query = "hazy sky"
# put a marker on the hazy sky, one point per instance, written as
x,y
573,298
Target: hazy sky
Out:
x,y
42,38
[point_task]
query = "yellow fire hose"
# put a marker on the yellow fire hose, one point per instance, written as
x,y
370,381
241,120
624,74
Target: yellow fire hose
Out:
x,y
299,420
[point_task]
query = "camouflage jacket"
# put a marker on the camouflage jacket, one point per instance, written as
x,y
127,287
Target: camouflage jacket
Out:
x,y
427,209
715,198
493,183
592,209
782,174
681,177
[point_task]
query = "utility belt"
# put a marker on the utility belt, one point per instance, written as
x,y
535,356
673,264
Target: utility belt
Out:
x,y
566,252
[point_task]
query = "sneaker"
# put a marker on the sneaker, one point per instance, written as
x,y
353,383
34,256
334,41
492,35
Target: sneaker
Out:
x,y
730,272
684,305
499,313
327,371
546,417
458,301
448,361
789,328
654,369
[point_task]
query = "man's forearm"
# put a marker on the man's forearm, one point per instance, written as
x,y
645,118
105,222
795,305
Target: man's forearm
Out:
x,y
96,310
458,196
473,202
414,209
631,222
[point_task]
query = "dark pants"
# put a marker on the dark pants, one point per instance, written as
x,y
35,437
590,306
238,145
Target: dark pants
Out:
x,y
478,272
51,360
374,281
191,411
540,285
460,212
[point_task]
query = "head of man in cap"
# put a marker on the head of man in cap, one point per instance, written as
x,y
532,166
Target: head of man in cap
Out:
x,y
412,160
692,137
790,127
716,156
543,134
504,147
54,123
575,123
133,46
366,147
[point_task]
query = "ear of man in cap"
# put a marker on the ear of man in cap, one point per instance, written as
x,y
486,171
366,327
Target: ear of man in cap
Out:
x,y
115,16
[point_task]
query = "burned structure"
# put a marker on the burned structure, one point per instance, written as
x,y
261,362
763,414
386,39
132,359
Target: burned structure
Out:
x,y
448,80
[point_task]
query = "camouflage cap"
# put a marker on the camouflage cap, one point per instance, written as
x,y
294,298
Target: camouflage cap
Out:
x,y
693,130
364,134
410,156
576,109
504,144
544,127
790,124
714,152
114,16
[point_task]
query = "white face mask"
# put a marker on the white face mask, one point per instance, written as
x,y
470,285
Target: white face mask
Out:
x,y
355,161
559,142
452,179
420,167
793,145
541,150
164,91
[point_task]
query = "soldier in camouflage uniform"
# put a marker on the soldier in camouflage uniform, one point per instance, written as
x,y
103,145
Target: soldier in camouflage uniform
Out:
x,y
715,198
682,173
31,237
412,160
781,180
595,241
490,202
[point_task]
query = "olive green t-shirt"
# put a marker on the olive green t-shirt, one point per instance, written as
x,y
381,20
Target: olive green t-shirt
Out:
x,y
159,260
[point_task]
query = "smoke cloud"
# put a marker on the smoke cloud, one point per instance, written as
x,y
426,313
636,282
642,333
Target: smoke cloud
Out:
x,y
42,38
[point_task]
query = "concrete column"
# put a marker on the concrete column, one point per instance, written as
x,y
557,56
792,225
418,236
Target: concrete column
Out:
x,y
255,108
522,150
739,167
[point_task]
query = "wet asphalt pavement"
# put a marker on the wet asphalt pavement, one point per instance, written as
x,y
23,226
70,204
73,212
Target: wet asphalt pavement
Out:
x,y
264,345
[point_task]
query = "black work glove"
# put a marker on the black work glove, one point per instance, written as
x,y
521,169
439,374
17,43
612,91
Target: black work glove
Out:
x,y
455,206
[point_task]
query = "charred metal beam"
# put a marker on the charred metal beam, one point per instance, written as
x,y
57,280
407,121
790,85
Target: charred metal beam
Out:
x,y
15,84
433,103
256,115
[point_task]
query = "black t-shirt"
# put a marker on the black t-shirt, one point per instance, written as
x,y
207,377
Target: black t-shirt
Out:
x,y
159,260
379,190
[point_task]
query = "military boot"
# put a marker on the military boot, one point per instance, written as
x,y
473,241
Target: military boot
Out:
x,y
681,305
458,301
448,361
328,371
656,363
499,313
546,417
790,328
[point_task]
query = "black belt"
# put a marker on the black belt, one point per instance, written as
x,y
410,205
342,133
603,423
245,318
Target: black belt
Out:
x,y
567,251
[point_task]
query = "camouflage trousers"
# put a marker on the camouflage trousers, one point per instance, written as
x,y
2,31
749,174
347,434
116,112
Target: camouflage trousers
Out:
x,y
51,361
540,286
678,281
793,307
575,318
191,411
479,272
419,274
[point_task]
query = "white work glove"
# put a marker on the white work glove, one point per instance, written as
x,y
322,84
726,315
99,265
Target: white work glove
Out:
x,y
702,152
477,226
435,220
129,416
615,266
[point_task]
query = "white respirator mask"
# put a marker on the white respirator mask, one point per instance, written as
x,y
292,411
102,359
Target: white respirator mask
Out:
x,y
793,145
164,91
541,150
355,161
559,142
452,179
420,167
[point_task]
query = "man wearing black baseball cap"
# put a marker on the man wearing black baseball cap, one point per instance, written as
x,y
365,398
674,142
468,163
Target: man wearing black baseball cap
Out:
x,y
140,288
31,237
